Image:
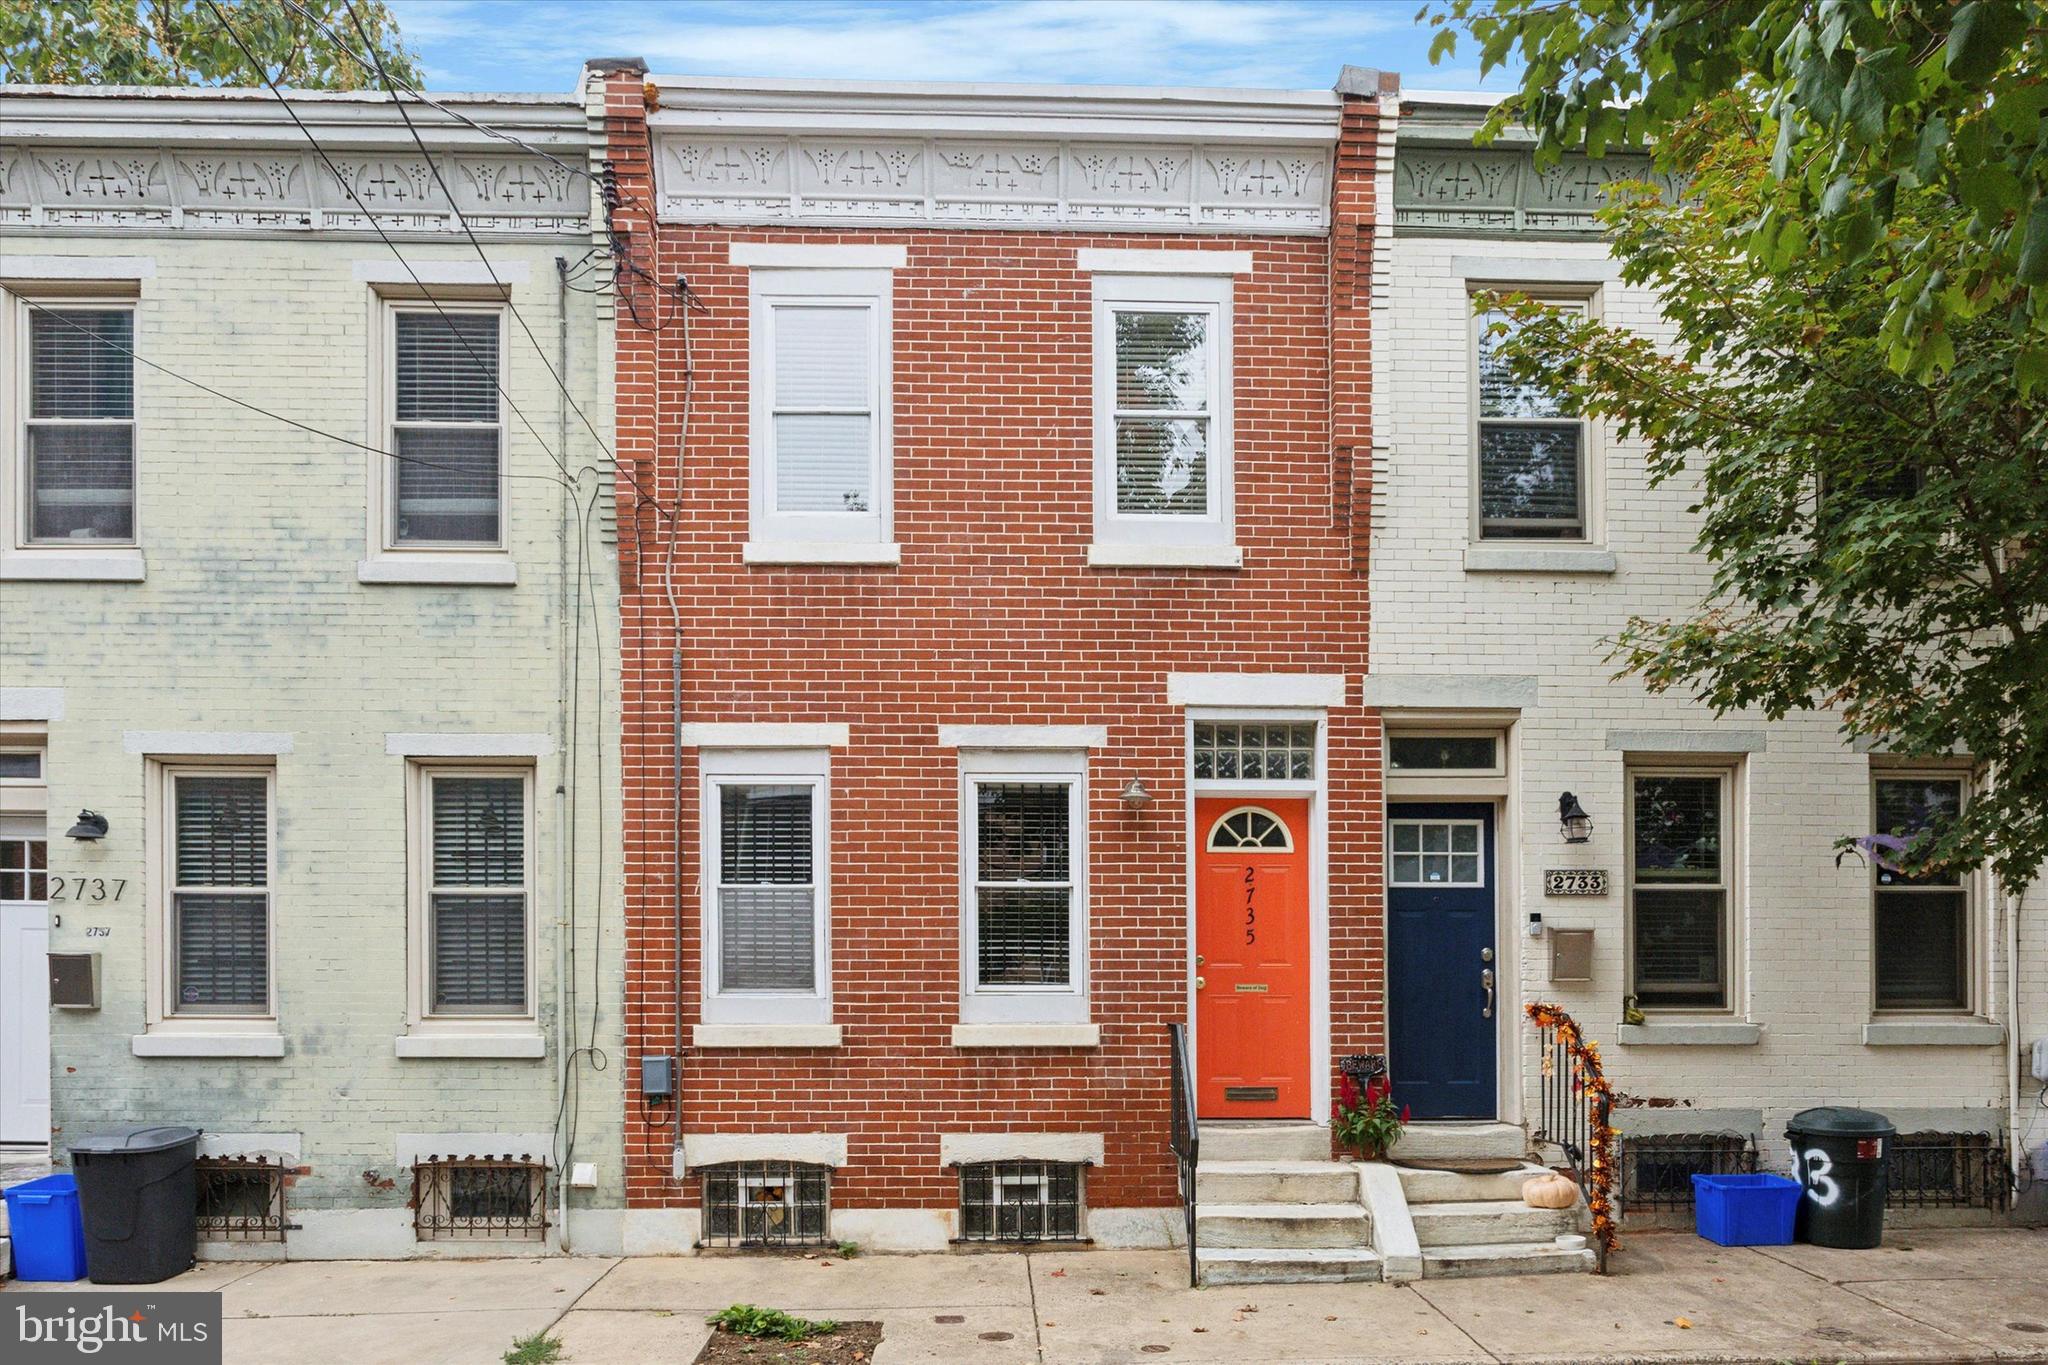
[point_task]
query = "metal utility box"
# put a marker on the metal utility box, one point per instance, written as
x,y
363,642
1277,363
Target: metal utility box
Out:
x,y
74,981
657,1078
1571,954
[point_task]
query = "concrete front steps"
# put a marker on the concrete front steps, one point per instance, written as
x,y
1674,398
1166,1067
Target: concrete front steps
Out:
x,y
1470,1225
1272,1208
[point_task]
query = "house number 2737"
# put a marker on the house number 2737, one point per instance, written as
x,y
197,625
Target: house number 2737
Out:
x,y
87,888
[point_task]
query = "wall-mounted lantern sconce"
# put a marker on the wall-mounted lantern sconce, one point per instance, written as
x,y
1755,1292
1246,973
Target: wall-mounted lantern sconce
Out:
x,y
91,825
1572,817
1136,794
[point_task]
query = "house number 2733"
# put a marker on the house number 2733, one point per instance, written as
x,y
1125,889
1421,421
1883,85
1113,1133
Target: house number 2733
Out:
x,y
87,888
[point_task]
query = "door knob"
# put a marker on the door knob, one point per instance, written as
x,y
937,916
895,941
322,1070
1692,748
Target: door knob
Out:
x,y
1199,959
1486,980
1200,982
1486,954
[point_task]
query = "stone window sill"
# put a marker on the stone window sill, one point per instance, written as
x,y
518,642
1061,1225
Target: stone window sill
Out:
x,y
1933,1033
765,1035
123,565
1574,559
498,1045
452,570
1693,1033
1026,1035
1113,556
178,1044
820,552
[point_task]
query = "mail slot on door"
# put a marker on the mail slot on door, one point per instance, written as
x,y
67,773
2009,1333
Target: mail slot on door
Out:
x,y
1571,954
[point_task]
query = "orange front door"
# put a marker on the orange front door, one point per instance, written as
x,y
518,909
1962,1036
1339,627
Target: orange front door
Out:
x,y
1251,959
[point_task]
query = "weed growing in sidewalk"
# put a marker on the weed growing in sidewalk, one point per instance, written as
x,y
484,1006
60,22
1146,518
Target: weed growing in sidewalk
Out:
x,y
538,1349
745,1320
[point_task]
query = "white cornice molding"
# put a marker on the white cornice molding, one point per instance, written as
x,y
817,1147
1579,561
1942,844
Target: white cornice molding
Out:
x,y
340,120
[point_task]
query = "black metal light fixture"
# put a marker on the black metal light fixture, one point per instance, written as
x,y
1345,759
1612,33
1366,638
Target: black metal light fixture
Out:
x,y
91,825
1572,818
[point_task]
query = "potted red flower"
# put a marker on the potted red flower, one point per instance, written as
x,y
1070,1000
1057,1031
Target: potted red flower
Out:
x,y
1368,1121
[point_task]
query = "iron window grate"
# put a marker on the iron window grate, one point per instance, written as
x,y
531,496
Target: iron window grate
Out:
x,y
766,1204
1947,1171
241,1199
479,1200
1657,1169
1020,1201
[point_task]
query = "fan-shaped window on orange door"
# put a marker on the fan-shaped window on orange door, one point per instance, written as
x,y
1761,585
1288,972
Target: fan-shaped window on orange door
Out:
x,y
1250,827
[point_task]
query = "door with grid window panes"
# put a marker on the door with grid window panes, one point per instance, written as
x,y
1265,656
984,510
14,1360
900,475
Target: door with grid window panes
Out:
x,y
1922,921
24,974
220,893
1679,877
479,894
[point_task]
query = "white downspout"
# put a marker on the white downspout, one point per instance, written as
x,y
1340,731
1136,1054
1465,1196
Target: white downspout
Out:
x,y
565,946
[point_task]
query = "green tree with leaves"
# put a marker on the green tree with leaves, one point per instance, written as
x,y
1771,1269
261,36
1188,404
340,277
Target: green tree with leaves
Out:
x,y
1870,104
1879,542
306,44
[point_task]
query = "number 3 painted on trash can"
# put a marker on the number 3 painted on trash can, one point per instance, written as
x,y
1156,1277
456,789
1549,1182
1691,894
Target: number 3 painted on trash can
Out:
x,y
1820,1186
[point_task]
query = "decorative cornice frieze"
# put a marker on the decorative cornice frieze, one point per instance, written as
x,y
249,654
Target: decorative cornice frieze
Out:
x,y
710,176
1502,192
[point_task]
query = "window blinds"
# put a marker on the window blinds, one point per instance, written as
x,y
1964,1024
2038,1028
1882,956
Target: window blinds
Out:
x,y
1531,449
221,936
479,895
767,895
80,428
824,408
1024,889
1680,894
446,428
1922,922
1163,410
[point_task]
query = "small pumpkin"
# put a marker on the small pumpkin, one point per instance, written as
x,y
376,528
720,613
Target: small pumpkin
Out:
x,y
1552,1191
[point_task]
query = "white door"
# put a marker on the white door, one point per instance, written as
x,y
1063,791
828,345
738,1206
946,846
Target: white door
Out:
x,y
24,987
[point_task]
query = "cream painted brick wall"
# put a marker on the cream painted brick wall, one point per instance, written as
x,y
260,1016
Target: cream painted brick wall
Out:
x,y
1806,945
252,619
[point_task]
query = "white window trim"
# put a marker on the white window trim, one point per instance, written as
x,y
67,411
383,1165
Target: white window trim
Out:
x,y
112,561
813,537
1974,972
1121,539
385,560
160,852
1498,768
481,1031
779,767
1522,554
1734,914
1066,1004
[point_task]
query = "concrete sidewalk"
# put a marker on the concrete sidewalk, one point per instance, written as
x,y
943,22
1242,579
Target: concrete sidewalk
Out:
x,y
1929,1296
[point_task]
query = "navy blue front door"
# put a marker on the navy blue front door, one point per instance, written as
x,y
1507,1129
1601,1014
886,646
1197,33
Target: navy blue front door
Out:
x,y
1441,1016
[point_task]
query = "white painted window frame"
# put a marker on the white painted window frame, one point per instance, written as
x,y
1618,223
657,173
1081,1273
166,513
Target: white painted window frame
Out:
x,y
1452,884
719,768
161,854
1592,464
19,556
388,561
1125,538
1968,883
1498,768
421,1021
1066,1004
819,537
1729,771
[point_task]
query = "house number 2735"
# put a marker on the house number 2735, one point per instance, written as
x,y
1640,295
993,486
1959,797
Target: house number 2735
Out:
x,y
87,888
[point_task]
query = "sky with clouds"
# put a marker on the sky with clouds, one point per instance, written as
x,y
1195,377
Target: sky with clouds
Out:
x,y
540,45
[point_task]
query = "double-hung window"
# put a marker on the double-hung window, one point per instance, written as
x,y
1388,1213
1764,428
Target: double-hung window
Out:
x,y
1681,869
444,480
1163,445
1922,935
218,871
1024,887
75,475
821,481
766,888
1532,461
473,895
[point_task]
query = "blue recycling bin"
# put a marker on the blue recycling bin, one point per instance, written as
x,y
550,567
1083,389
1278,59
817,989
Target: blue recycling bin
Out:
x,y
48,1233
1745,1210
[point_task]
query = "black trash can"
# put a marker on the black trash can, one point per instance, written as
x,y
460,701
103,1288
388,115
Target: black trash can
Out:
x,y
139,1198
1839,1156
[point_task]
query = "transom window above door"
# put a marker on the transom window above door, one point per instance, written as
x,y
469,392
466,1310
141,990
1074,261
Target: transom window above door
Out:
x,y
1267,751
1436,853
1250,827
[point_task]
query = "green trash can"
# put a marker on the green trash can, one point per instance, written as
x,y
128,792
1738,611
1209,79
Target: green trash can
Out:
x,y
1839,1156
139,1195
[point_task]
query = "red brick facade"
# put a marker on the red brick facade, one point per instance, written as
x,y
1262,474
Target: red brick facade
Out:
x,y
993,616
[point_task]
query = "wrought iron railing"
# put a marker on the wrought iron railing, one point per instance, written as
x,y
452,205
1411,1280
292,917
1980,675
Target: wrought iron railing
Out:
x,y
1575,1108
241,1199
1187,1134
479,1199
1948,1171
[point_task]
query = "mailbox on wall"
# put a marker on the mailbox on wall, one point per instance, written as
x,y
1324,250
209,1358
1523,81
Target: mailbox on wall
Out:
x,y
75,981
1571,955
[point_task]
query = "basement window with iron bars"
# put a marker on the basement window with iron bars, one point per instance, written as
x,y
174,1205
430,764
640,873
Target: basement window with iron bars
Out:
x,y
766,1204
1657,1169
241,1199
480,1199
1947,1171
1020,1201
